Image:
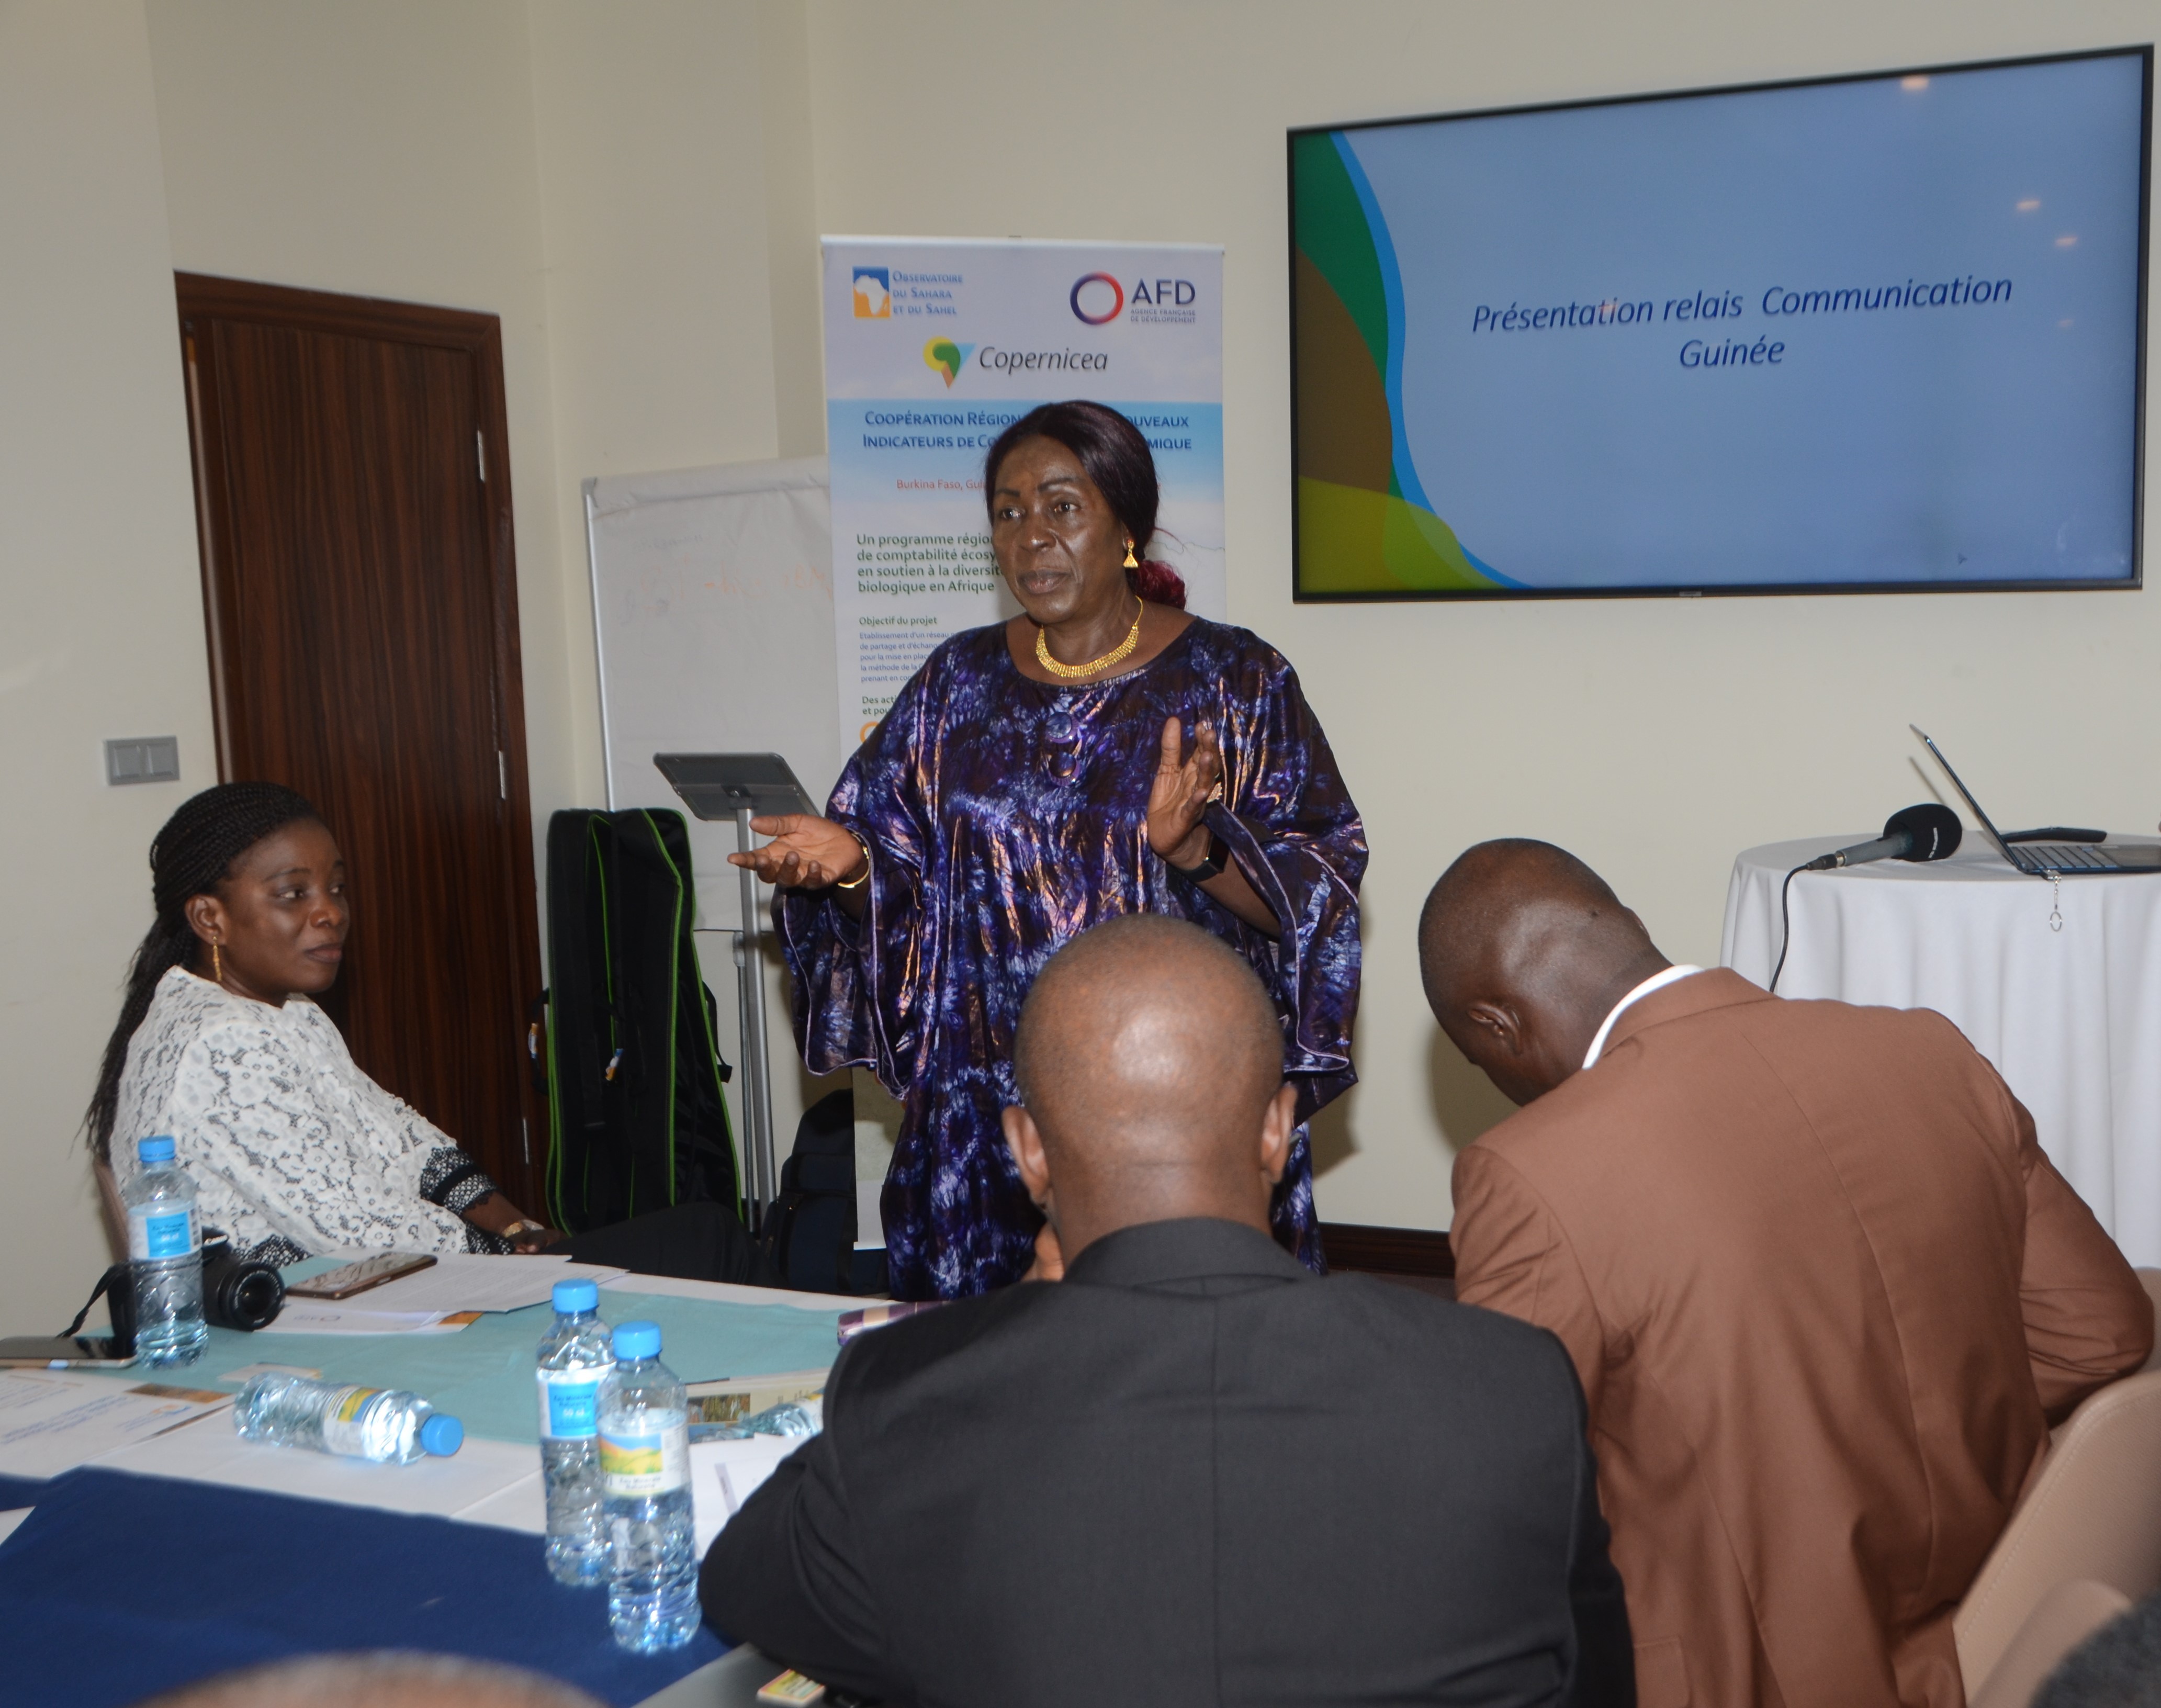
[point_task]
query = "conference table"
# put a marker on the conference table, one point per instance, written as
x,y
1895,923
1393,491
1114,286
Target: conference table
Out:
x,y
2058,984
192,1552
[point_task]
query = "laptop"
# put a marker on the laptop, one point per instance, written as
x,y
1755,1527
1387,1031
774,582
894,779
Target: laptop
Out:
x,y
2041,858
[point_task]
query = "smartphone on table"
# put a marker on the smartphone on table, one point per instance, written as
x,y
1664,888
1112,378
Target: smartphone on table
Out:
x,y
358,1277
64,1352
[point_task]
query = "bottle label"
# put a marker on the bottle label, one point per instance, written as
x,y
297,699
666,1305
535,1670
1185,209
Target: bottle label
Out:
x,y
649,1462
570,1404
342,1431
160,1230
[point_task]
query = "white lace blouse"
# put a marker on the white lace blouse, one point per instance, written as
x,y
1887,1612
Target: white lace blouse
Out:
x,y
293,1150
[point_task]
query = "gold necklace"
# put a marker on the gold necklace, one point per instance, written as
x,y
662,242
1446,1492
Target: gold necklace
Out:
x,y
1117,653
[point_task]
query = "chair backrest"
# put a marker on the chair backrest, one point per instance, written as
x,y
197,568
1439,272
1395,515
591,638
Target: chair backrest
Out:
x,y
2150,1279
115,1212
638,1120
2093,1511
810,1225
2068,1615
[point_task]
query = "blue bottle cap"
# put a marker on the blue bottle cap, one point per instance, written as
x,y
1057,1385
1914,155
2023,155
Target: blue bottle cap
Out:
x,y
441,1434
637,1340
571,1297
150,1151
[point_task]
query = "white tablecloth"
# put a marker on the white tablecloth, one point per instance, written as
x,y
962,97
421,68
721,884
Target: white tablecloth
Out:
x,y
2072,1019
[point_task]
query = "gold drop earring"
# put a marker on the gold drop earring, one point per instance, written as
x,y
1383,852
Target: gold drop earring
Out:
x,y
1131,562
216,967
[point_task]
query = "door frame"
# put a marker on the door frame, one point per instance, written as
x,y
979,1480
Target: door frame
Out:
x,y
479,336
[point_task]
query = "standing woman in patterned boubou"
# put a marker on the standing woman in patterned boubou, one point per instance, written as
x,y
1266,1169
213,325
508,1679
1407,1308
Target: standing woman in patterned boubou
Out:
x,y
1104,752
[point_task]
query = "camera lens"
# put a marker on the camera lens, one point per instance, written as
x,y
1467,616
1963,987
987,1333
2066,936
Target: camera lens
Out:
x,y
253,1298
238,1294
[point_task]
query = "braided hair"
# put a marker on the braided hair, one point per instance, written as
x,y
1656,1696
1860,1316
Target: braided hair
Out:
x,y
195,853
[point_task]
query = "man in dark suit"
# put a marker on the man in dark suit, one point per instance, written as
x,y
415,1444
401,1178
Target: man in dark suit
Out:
x,y
1825,1292
1190,1473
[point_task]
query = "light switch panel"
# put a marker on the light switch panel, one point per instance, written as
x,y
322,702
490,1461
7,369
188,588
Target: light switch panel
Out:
x,y
143,759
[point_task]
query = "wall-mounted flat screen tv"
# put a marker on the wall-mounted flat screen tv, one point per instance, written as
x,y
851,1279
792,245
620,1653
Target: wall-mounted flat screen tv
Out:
x,y
1872,333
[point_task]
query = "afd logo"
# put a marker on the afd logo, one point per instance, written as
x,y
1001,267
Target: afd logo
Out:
x,y
1097,298
874,294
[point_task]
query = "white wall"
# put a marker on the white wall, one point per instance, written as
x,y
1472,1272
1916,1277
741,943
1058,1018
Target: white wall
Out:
x,y
388,149
1655,739
103,631
653,213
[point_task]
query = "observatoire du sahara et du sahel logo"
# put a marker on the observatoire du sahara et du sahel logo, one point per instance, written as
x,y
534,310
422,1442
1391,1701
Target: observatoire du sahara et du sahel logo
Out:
x,y
1097,299
947,357
874,294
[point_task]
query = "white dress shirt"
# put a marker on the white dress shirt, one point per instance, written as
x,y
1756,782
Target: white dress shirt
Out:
x,y
1656,981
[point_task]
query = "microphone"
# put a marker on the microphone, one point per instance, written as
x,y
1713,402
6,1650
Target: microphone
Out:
x,y
1929,831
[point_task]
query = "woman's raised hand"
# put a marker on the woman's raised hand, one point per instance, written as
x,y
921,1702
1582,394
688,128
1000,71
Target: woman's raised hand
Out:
x,y
1184,783
805,853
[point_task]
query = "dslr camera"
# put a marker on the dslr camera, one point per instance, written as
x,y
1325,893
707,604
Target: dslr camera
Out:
x,y
238,1293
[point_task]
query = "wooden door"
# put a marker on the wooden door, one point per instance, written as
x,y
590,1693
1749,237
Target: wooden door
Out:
x,y
352,494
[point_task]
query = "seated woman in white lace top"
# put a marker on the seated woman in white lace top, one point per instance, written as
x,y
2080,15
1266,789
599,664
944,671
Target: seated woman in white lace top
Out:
x,y
293,1150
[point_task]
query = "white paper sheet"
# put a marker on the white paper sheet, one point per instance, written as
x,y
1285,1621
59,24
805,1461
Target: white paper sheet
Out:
x,y
522,1506
322,1316
464,1282
724,1475
730,1293
212,1451
53,1420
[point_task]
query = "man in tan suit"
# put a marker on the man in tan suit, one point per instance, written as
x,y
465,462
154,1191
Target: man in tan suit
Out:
x,y
1823,1289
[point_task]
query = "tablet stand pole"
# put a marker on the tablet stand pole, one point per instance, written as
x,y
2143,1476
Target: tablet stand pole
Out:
x,y
757,1100
717,787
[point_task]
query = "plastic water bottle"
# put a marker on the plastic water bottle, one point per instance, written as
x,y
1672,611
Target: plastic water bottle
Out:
x,y
386,1424
575,1354
645,1469
164,1256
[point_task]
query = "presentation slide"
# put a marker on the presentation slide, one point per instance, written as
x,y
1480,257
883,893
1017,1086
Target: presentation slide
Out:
x,y
1868,332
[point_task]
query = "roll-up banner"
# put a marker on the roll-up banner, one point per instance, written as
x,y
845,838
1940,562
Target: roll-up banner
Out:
x,y
933,346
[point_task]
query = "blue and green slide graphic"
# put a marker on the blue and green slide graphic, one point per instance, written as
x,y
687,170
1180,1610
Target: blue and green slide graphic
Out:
x,y
1364,523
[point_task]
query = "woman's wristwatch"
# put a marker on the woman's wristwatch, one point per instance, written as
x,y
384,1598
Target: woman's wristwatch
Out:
x,y
528,1226
1211,863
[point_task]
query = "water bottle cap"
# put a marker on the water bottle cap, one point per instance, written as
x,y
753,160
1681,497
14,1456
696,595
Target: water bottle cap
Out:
x,y
155,1150
441,1434
637,1340
572,1297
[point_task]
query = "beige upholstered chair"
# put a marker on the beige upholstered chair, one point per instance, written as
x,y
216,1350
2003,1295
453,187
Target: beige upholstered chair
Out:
x,y
2150,1279
2092,1515
2067,1616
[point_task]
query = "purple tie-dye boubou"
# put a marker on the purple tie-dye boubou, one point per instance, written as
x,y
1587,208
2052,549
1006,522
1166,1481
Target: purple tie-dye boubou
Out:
x,y
1006,816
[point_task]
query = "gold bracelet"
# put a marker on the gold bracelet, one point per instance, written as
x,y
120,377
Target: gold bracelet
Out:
x,y
865,877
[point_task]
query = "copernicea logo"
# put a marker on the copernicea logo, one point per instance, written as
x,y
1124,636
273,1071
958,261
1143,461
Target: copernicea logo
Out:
x,y
1097,298
947,357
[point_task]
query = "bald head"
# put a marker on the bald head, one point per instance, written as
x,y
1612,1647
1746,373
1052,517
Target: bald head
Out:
x,y
1525,949
1149,1061
387,1679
